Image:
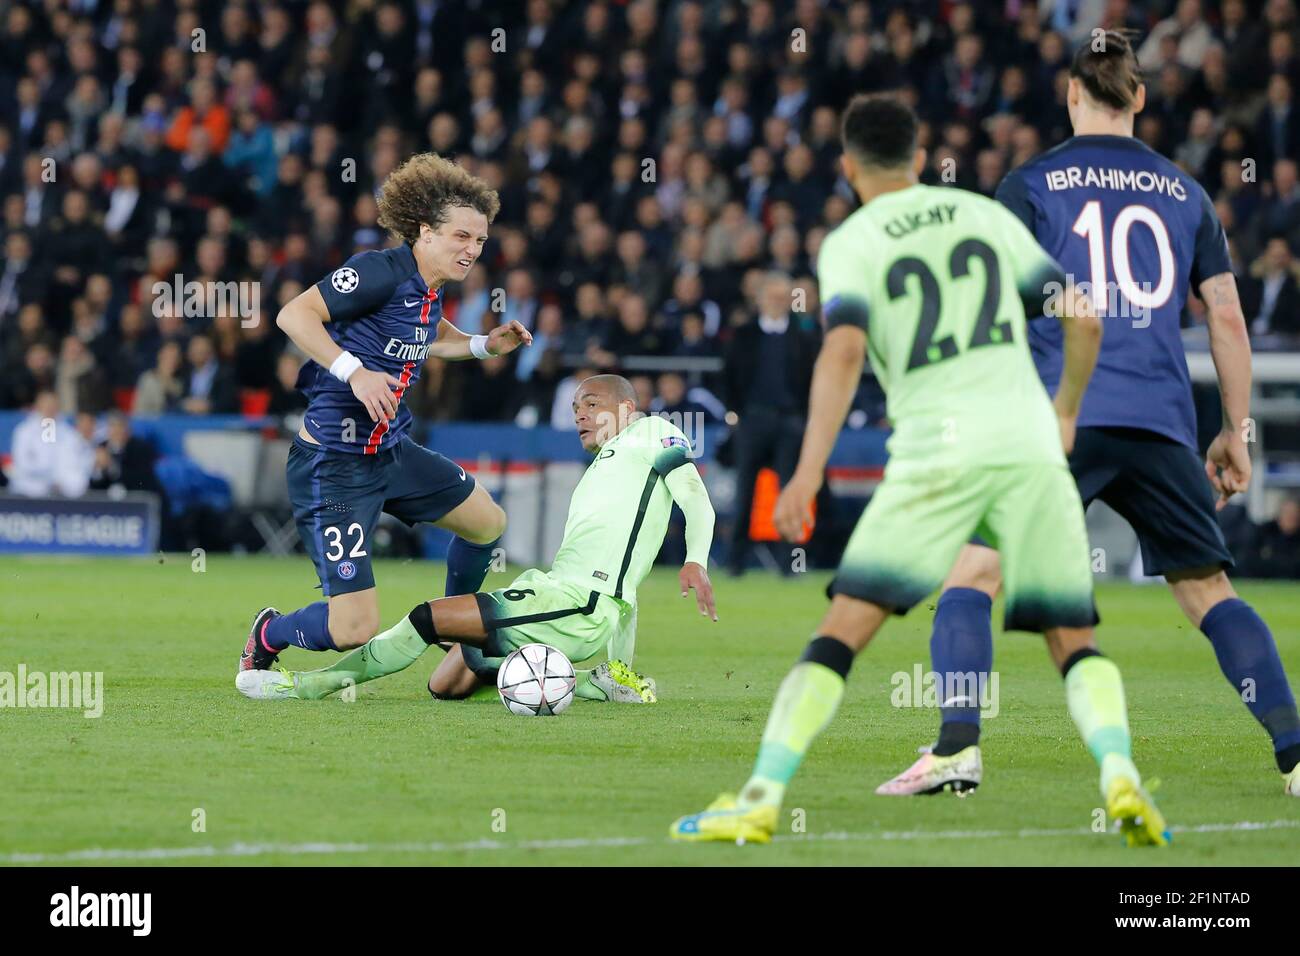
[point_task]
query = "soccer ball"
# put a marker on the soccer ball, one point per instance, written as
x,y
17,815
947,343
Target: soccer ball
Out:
x,y
536,681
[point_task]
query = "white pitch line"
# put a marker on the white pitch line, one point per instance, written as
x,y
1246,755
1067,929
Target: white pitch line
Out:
x,y
321,848
1242,826
97,855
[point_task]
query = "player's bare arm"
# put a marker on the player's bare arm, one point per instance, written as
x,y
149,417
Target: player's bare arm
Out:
x,y
303,320
1082,330
835,380
1227,461
454,345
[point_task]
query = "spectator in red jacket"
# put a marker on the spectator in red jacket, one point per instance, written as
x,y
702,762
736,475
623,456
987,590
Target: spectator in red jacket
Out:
x,y
204,111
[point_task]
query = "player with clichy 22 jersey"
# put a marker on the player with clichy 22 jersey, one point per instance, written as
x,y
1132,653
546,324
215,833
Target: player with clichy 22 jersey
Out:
x,y
1141,233
367,329
933,285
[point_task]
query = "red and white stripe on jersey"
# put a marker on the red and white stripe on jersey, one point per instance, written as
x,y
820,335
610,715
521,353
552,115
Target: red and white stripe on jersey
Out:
x,y
429,298
381,427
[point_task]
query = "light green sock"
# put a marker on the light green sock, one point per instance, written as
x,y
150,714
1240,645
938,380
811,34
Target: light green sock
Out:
x,y
1095,694
586,689
805,704
387,653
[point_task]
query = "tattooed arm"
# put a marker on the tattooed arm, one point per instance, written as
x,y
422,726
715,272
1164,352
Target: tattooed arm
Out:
x,y
1227,463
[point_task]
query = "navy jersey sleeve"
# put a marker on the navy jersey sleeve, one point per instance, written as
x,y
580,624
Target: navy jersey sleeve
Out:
x,y
1039,278
359,287
1211,256
1013,192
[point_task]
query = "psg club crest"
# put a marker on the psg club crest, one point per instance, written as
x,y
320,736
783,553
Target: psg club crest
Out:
x,y
345,280
347,570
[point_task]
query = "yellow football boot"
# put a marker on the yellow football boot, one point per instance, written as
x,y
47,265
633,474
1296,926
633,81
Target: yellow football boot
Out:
x,y
724,821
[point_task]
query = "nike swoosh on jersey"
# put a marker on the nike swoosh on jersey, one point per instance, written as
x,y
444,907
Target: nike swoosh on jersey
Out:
x,y
410,304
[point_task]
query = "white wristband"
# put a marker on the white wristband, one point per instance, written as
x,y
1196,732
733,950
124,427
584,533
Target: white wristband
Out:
x,y
478,347
343,366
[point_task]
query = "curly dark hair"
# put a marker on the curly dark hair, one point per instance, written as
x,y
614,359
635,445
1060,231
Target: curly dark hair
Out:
x,y
424,188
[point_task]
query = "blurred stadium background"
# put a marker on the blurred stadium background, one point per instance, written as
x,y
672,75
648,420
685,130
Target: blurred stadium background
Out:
x,y
172,172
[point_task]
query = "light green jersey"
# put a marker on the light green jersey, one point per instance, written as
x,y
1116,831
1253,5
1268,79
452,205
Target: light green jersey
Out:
x,y
940,279
619,512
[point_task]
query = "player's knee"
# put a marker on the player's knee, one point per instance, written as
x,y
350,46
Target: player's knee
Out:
x,y
353,630
1200,589
492,526
439,690
443,687
976,568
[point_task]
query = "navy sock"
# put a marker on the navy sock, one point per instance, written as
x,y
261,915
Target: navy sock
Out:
x,y
961,653
306,627
467,565
1248,658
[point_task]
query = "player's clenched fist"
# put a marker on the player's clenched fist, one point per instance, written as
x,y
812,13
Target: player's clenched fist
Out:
x,y
794,506
504,339
375,391
1227,465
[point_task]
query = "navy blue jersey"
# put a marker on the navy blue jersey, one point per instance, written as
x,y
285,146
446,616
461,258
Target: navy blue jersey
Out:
x,y
1136,233
382,312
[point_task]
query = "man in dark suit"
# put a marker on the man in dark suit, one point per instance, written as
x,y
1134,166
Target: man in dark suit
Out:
x,y
211,388
1270,296
22,279
1277,131
124,460
1275,551
768,370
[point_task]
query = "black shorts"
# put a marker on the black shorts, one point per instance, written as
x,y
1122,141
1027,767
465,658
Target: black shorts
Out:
x,y
1159,487
337,498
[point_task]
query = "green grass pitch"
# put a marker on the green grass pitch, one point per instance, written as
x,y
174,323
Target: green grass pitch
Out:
x,y
397,778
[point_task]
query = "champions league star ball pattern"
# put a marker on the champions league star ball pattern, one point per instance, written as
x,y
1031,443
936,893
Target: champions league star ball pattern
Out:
x,y
345,280
536,681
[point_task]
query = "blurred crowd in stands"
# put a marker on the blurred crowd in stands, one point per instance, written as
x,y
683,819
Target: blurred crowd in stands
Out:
x,y
665,169
657,163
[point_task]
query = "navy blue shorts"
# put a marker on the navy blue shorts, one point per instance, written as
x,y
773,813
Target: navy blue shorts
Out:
x,y
337,498
1159,486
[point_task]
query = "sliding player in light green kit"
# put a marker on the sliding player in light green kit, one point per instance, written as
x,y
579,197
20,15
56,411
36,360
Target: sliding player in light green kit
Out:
x,y
935,284
586,603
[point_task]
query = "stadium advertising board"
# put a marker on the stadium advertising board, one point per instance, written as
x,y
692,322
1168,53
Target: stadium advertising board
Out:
x,y
89,525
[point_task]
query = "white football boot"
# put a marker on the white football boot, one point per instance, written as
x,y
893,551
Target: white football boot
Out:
x,y
265,685
622,685
960,772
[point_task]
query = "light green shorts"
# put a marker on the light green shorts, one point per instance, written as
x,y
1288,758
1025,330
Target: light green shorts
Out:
x,y
538,609
906,541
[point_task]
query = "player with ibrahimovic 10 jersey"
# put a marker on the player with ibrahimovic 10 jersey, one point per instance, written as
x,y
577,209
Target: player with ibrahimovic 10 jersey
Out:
x,y
1138,234
934,285
367,329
